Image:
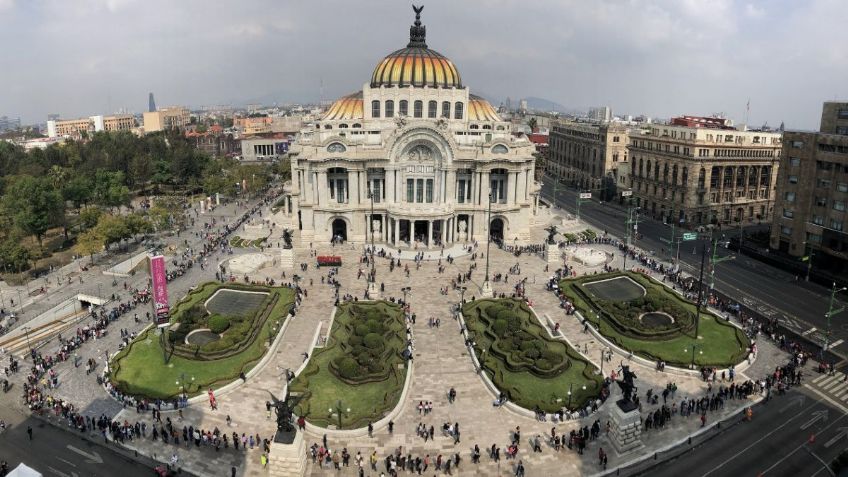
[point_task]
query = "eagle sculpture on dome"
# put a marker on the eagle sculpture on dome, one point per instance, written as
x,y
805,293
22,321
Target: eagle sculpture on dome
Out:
x,y
418,11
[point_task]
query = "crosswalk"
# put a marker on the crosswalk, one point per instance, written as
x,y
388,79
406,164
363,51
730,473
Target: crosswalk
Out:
x,y
834,386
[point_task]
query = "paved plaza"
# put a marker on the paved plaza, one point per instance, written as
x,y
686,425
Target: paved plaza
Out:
x,y
441,362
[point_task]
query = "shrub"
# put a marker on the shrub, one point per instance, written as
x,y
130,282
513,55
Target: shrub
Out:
x,y
542,363
374,326
354,340
218,324
361,329
499,327
373,341
348,367
532,353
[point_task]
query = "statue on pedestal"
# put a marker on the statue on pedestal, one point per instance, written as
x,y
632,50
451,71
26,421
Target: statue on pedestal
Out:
x,y
287,238
552,231
628,389
462,235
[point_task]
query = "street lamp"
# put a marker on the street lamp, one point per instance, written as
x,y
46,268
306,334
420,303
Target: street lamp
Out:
x,y
487,286
338,410
628,231
697,346
26,330
571,388
831,312
372,277
182,382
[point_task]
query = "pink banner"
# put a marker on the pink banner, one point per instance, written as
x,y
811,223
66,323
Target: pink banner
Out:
x,y
160,286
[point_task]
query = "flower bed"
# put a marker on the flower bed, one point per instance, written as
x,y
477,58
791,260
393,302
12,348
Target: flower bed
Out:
x,y
329,261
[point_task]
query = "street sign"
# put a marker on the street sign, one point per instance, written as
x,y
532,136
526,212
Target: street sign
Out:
x,y
585,195
690,236
627,193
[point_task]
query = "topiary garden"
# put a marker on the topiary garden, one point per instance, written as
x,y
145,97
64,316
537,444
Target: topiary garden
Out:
x,y
146,369
360,366
621,321
534,370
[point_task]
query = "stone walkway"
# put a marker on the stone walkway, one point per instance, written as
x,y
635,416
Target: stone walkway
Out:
x,y
441,362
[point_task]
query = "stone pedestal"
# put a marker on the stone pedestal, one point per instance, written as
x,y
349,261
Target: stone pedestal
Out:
x,y
287,258
625,430
287,459
486,291
373,291
552,253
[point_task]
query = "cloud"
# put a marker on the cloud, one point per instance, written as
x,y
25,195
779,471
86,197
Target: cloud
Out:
x,y
657,57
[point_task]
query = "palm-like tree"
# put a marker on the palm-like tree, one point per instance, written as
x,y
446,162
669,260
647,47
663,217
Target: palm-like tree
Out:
x,y
58,175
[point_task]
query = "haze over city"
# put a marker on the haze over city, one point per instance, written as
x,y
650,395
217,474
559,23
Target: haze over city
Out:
x,y
654,57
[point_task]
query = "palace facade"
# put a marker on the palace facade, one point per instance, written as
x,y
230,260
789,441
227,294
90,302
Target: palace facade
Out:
x,y
414,159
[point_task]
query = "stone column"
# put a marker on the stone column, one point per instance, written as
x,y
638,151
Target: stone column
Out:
x,y
352,192
397,231
429,233
450,187
442,236
322,188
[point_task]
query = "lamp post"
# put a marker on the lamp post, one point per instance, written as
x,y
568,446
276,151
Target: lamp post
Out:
x,y
700,291
182,382
630,226
372,277
338,410
486,291
831,312
26,330
715,260
570,389
700,351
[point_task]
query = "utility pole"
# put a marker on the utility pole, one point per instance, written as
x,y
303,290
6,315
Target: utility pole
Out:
x,y
831,312
715,260
808,258
487,286
671,243
700,292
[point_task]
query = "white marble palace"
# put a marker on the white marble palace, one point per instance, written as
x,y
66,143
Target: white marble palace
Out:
x,y
432,157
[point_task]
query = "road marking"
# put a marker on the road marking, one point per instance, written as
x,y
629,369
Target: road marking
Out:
x,y
838,389
67,462
817,416
839,435
832,385
836,343
819,378
93,458
811,330
828,398
799,400
799,447
62,474
827,380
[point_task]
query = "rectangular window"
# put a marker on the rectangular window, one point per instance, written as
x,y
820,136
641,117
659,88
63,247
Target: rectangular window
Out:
x,y
842,186
419,190
836,225
418,109
390,109
813,238
460,191
410,190
788,213
429,195
341,197
375,109
793,179
839,205
786,230
821,201
824,183
797,144
375,190
818,220
794,161
842,114
789,196
403,109
332,189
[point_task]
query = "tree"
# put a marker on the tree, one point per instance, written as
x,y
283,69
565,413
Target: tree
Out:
x,y
138,224
89,217
34,205
140,170
89,243
532,123
112,229
58,176
78,190
110,189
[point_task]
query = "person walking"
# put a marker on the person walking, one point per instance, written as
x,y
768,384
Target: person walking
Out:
x,y
29,432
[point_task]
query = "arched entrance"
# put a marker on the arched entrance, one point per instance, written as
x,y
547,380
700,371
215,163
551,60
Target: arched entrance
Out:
x,y
339,230
496,230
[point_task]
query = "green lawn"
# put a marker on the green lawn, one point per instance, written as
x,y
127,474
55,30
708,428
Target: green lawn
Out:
x,y
140,369
527,385
720,344
322,389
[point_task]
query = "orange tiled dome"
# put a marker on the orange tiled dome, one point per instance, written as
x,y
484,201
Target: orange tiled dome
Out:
x,y
348,107
416,66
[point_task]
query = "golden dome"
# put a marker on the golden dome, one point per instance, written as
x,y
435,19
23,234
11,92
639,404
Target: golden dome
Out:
x,y
347,107
480,110
416,65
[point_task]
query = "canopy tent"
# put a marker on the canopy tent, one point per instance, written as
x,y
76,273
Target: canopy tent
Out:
x,y
23,470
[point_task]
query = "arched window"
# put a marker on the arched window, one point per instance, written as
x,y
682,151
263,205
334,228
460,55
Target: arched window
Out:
x,y
375,109
474,126
327,126
403,108
487,126
457,111
390,109
431,109
356,125
446,109
342,126
418,109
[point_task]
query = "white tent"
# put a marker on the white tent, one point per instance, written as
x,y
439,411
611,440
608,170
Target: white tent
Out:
x,y
24,470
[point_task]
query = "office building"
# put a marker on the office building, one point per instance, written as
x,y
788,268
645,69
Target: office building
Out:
x,y
166,118
704,173
812,192
586,155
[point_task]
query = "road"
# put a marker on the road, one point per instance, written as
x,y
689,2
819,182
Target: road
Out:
x,y
58,453
800,306
775,443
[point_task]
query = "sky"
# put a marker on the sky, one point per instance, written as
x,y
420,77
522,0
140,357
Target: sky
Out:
x,y
660,58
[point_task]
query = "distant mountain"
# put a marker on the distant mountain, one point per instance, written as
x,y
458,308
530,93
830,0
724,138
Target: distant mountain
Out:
x,y
545,105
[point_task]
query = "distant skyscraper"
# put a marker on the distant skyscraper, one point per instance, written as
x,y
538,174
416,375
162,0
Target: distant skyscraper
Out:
x,y
151,104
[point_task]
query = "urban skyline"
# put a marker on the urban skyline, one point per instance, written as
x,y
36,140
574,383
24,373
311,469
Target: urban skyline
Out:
x,y
658,58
